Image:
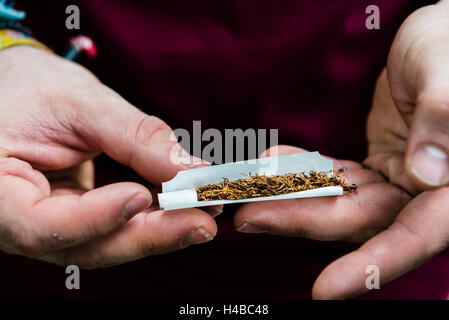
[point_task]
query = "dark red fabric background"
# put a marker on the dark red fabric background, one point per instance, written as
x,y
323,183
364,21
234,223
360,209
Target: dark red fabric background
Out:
x,y
305,67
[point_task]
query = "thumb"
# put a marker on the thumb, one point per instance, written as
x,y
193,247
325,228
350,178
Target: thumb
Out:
x,y
129,136
418,73
427,156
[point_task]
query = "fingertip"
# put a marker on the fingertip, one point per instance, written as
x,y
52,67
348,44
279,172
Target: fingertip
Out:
x,y
207,222
323,288
196,228
137,203
317,292
125,190
257,217
197,236
116,203
193,219
327,287
239,218
214,211
246,213
281,149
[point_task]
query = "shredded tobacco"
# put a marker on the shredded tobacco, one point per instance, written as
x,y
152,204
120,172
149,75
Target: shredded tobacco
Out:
x,y
264,186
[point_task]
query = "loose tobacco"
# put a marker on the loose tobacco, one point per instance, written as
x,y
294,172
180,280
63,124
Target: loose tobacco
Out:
x,y
264,186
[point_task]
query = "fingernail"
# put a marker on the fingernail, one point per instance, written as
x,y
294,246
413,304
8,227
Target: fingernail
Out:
x,y
195,162
430,164
197,236
139,202
180,157
250,228
188,161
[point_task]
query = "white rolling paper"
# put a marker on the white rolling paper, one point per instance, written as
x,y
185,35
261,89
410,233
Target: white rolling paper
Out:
x,y
180,193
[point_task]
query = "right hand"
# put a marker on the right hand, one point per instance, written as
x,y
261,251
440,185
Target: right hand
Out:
x,y
55,116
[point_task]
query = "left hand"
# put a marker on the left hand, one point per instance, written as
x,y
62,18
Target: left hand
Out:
x,y
416,230
408,127
408,134
356,217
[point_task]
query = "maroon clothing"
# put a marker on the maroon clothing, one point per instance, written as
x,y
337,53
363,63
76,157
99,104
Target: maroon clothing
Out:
x,y
307,68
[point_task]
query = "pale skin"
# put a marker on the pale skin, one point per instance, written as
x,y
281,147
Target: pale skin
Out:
x,y
55,116
402,215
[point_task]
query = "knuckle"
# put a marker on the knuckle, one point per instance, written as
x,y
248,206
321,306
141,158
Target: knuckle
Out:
x,y
420,240
149,128
434,112
12,165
